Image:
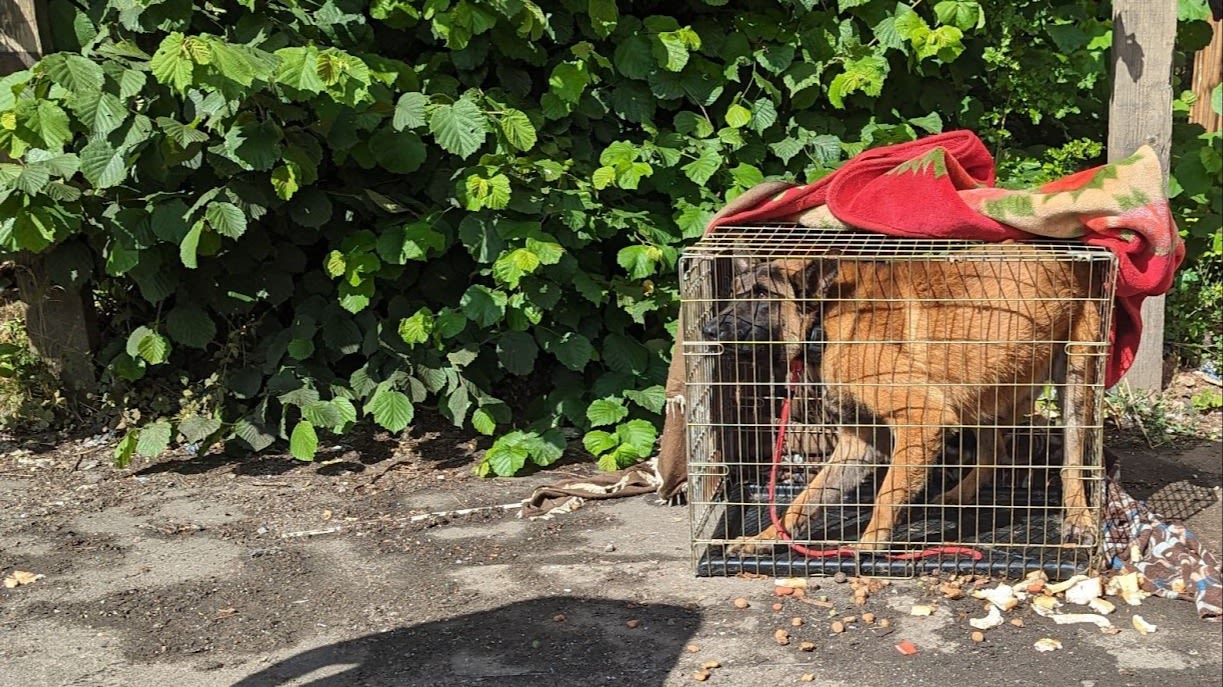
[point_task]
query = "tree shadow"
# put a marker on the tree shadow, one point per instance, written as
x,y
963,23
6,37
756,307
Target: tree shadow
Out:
x,y
360,449
559,641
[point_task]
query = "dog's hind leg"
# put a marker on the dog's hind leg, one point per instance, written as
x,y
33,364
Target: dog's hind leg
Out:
x,y
991,452
1079,525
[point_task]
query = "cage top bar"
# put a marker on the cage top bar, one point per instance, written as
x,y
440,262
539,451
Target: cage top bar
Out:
x,y
796,241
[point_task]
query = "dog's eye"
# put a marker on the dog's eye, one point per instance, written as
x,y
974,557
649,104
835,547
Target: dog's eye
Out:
x,y
760,292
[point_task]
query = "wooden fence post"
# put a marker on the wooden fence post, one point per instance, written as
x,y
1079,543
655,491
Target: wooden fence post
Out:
x,y
59,319
1140,111
1207,73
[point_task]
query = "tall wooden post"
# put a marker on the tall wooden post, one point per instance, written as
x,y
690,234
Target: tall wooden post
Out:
x,y
21,42
1140,111
1207,73
59,318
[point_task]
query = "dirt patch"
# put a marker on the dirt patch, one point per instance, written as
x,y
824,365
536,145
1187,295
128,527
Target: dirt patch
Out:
x,y
195,557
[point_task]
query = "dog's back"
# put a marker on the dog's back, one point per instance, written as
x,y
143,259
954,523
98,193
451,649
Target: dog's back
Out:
x,y
975,335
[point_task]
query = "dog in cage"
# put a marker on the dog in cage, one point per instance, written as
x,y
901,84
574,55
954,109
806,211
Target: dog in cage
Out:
x,y
915,348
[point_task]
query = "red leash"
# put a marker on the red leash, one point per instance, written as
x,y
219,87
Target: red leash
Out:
x,y
796,372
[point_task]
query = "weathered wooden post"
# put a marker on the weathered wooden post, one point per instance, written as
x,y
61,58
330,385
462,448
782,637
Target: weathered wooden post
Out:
x,y
59,319
1207,73
1140,111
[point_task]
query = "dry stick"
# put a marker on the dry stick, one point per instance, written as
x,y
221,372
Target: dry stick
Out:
x,y
464,511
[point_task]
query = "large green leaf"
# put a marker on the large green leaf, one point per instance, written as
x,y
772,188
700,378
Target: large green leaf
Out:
x,y
148,345
80,75
303,442
154,439
518,129
410,111
391,409
299,69
102,165
48,122
196,428
483,305
226,219
459,128
402,152
507,455
605,411
190,325
517,352
173,64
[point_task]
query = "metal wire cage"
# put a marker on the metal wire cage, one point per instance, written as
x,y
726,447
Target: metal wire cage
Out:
x,y
885,406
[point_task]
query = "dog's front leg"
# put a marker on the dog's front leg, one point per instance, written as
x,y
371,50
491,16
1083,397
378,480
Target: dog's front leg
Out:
x,y
917,446
851,462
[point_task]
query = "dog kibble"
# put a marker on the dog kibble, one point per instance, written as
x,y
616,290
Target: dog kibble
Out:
x,y
868,618
776,608
692,648
978,637
741,603
700,675
840,578
710,665
559,617
807,646
1017,622
782,637
884,622
796,622
783,591
632,623
849,619
838,627
951,591
807,677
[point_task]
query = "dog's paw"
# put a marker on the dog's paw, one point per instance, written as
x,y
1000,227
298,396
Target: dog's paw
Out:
x,y
750,546
1080,528
871,541
676,404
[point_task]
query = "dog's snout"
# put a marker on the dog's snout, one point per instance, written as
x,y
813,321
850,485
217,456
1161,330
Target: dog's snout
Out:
x,y
711,330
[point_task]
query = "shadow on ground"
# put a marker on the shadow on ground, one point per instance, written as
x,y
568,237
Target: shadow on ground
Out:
x,y
554,641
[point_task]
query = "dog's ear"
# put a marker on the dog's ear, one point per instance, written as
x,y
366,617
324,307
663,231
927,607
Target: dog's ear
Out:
x,y
819,276
740,265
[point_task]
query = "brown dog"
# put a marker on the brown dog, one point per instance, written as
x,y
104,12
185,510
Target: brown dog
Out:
x,y
915,347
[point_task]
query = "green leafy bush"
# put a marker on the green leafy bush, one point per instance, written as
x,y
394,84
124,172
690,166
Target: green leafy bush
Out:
x,y
301,214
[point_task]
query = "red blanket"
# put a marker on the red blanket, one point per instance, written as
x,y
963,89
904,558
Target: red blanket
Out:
x,y
943,187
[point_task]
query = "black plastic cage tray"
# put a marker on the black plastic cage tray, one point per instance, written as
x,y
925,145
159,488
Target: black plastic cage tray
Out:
x,y
1015,529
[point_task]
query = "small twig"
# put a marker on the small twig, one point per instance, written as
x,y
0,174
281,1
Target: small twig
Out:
x,y
385,470
465,511
271,484
311,533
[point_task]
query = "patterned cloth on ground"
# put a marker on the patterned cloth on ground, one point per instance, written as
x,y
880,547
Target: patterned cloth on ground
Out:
x,y
1172,561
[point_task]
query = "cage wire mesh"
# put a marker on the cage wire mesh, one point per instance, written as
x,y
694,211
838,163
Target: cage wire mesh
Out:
x,y
980,365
